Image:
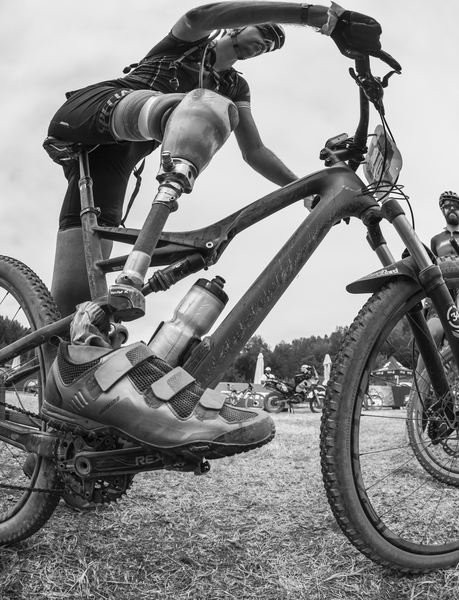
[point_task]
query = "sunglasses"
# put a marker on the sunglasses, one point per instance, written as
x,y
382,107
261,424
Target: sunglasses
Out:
x,y
450,204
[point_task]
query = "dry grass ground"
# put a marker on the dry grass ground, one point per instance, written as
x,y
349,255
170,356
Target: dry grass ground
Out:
x,y
256,527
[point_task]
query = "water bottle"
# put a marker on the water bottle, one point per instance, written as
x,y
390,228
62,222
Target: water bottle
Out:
x,y
192,319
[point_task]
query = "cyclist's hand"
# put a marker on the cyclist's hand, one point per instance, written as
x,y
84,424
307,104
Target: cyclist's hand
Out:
x,y
358,35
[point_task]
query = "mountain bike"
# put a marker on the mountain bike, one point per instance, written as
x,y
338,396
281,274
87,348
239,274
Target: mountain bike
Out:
x,y
247,398
373,400
389,506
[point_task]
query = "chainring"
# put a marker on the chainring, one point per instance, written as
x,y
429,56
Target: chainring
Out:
x,y
97,491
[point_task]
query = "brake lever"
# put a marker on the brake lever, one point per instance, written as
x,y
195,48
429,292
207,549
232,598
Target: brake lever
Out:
x,y
385,79
372,87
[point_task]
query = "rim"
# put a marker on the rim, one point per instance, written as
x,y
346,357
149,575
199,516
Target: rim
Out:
x,y
403,502
16,322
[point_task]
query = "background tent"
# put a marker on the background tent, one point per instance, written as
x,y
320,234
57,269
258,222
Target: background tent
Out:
x,y
392,371
327,368
259,368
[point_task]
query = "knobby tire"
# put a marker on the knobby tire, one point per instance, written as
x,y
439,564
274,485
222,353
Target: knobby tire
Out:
x,y
274,403
383,497
25,304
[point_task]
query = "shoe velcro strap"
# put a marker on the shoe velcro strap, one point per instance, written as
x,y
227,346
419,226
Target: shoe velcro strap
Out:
x,y
119,364
171,384
212,399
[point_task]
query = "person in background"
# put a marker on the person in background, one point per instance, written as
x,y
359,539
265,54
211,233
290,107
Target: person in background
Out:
x,y
445,243
268,374
304,379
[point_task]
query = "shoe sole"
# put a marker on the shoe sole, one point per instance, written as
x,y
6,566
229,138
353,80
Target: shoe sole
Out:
x,y
196,450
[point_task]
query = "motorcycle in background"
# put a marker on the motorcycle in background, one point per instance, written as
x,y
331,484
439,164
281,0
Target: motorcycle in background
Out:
x,y
284,395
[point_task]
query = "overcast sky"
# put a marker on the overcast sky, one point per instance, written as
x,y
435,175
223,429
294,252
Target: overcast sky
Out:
x,y
301,96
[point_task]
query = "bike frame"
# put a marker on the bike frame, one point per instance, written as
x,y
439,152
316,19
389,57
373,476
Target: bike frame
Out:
x,y
342,195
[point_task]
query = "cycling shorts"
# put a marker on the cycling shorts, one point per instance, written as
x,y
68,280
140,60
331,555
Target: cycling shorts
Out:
x,y
84,118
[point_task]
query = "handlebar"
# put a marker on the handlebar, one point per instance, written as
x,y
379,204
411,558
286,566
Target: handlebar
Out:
x,y
371,90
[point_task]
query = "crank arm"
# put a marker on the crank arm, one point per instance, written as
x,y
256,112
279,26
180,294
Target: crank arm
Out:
x,y
36,441
109,463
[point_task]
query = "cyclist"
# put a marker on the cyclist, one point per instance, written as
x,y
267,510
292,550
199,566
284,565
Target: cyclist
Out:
x,y
106,114
445,243
96,389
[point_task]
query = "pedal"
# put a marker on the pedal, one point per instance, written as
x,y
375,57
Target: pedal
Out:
x,y
184,465
126,302
202,468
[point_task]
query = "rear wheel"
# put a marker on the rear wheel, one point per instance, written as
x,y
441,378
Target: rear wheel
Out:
x,y
438,455
255,400
274,402
25,305
393,508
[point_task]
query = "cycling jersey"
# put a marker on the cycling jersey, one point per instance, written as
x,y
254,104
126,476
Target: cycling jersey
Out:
x,y
441,244
174,66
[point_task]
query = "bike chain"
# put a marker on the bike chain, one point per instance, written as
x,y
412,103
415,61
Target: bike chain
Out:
x,y
24,488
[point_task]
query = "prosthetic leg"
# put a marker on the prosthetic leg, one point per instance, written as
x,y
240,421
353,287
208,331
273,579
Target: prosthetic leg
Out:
x,y
194,132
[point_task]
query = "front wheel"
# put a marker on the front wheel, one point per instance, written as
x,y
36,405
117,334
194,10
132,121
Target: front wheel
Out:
x,y
25,305
314,403
391,507
274,402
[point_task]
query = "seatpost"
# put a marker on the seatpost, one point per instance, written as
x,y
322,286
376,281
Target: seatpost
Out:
x,y
91,241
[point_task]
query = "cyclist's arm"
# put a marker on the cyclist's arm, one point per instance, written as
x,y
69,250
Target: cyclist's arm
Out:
x,y
202,20
256,154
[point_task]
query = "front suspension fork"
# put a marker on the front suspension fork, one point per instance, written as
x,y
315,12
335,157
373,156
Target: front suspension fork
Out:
x,y
432,281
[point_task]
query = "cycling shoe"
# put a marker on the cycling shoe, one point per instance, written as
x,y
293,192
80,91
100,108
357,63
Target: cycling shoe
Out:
x,y
131,393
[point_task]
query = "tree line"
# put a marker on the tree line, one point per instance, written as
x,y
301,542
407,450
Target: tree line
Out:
x,y
286,358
